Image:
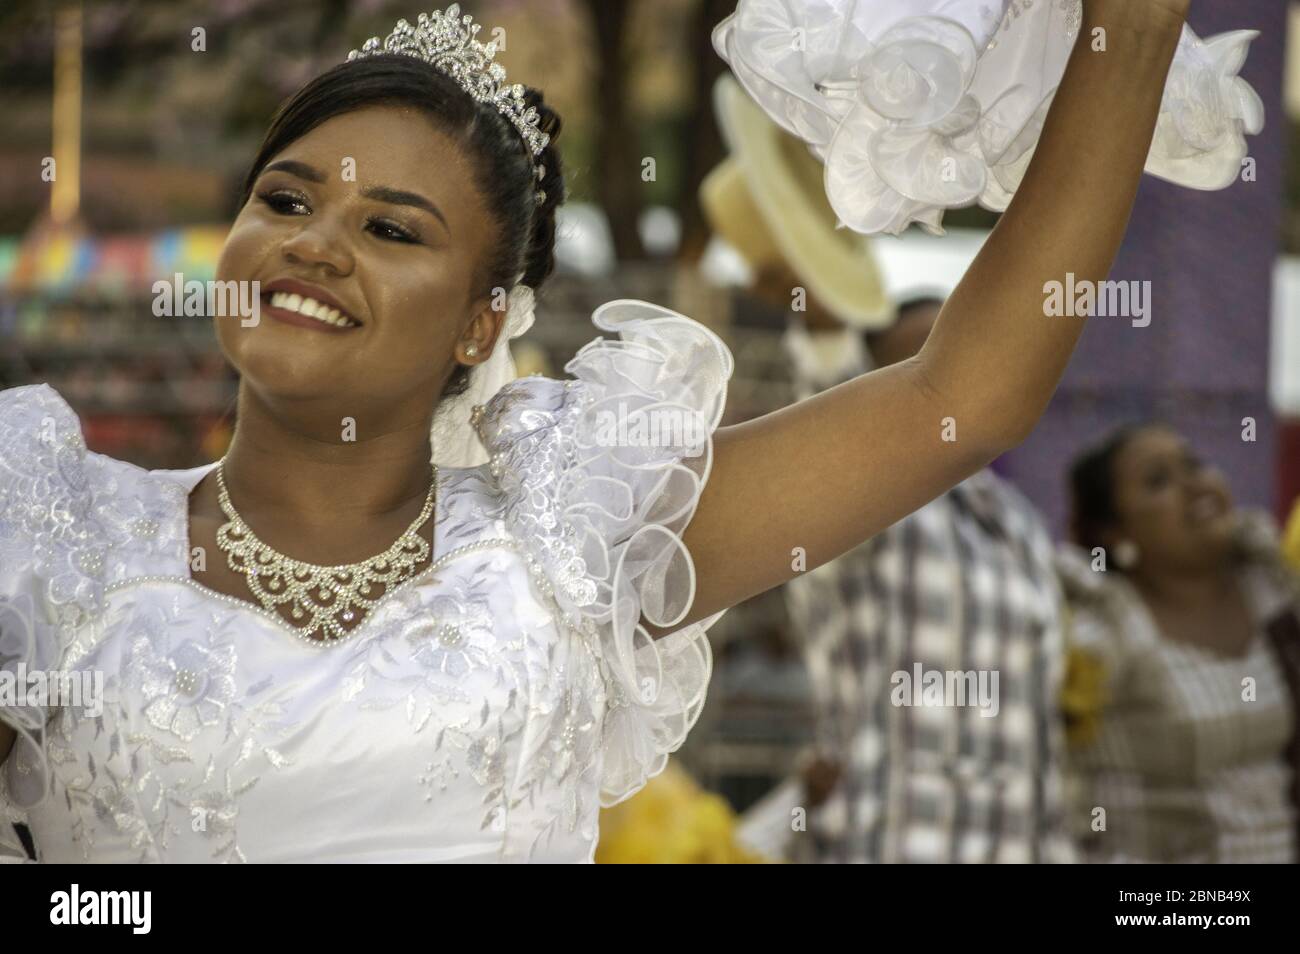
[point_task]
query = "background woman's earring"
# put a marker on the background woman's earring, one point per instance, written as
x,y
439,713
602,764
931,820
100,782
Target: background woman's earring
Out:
x,y
1126,554
471,350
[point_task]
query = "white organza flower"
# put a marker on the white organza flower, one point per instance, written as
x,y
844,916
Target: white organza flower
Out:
x,y
1208,109
919,106
880,92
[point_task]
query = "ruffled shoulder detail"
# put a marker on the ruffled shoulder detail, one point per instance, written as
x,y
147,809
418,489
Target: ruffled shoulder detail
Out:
x,y
51,564
601,475
46,503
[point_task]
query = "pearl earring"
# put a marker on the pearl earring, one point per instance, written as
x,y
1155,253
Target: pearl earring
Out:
x,y
471,350
1126,554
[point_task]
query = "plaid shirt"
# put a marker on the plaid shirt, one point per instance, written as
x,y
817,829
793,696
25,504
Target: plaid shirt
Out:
x,y
964,584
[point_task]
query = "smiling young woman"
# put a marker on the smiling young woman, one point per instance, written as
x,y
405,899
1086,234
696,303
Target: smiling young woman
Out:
x,y
504,641
1192,634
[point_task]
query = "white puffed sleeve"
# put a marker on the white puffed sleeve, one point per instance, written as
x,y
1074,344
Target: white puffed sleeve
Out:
x,y
601,475
51,561
919,106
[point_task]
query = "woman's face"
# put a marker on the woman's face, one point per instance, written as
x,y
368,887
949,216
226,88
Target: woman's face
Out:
x,y
1170,503
376,210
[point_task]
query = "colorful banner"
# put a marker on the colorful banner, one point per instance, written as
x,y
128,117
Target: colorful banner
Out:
x,y
126,265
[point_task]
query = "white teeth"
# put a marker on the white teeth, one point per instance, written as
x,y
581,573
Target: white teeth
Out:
x,y
1205,508
311,308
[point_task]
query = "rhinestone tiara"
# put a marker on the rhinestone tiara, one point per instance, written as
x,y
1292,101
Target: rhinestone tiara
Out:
x,y
445,40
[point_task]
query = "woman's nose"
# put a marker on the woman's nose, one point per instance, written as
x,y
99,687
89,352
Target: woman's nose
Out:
x,y
1204,479
319,243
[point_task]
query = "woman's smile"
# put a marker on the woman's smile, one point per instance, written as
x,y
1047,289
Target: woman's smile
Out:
x,y
298,303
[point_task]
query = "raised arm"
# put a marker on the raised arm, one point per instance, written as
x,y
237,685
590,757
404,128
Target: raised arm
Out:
x,y
827,473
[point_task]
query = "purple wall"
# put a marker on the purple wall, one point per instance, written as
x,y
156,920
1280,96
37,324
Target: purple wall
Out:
x,y
1202,362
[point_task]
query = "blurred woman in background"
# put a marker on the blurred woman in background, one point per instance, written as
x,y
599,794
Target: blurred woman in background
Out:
x,y
1191,613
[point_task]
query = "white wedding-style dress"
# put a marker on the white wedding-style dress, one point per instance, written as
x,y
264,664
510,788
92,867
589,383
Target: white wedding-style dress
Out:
x,y
486,709
483,712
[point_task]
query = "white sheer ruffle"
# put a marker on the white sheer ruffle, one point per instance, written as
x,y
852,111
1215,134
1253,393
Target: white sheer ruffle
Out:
x,y
602,474
919,106
46,588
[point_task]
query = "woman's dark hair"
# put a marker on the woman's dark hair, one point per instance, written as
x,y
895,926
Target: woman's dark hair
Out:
x,y
911,303
1092,486
503,164
903,309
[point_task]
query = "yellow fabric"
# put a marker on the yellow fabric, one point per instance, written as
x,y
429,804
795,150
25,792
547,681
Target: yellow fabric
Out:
x,y
1291,538
1082,696
671,821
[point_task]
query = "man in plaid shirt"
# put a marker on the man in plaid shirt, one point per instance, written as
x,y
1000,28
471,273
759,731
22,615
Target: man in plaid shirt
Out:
x,y
964,586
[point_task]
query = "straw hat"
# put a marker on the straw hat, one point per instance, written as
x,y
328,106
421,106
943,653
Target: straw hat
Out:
x,y
767,200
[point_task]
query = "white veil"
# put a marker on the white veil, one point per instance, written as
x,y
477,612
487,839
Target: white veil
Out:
x,y
454,439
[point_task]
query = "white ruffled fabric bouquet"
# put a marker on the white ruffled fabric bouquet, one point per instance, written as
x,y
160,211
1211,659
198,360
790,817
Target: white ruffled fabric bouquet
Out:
x,y
918,106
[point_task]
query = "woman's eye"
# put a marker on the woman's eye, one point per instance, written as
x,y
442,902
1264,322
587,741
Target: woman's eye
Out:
x,y
392,231
284,202
1157,479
